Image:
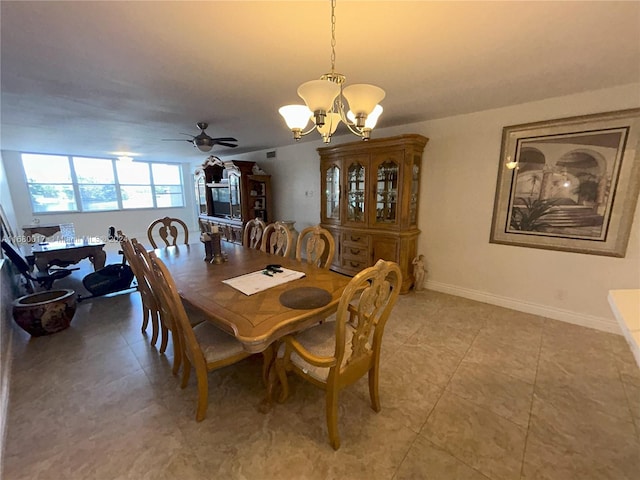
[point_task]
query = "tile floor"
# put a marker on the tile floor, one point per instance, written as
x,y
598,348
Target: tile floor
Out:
x,y
468,390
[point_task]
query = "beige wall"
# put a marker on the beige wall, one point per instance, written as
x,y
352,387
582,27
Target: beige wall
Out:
x,y
456,206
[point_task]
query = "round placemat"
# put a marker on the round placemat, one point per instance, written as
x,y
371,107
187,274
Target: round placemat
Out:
x,y
305,298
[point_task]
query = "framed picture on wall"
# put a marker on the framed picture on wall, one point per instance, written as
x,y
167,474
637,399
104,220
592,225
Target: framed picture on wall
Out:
x,y
569,184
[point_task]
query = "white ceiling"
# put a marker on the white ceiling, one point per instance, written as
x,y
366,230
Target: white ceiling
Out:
x,y
88,78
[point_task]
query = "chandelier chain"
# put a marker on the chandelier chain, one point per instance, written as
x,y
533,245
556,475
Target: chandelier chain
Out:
x,y
333,36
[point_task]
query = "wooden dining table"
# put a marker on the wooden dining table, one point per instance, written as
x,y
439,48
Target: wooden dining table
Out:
x,y
256,320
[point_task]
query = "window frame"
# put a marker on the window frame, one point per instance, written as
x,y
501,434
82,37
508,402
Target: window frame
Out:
x,y
75,185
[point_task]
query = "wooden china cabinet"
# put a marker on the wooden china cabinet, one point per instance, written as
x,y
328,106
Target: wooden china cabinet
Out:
x,y
369,201
229,194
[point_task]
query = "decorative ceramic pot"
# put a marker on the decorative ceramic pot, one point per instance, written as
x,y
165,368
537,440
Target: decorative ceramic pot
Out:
x,y
43,313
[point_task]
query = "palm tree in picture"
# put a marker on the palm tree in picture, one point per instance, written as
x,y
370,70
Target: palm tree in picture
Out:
x,y
530,217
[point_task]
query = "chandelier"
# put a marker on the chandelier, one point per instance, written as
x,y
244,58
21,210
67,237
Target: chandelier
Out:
x,y
329,102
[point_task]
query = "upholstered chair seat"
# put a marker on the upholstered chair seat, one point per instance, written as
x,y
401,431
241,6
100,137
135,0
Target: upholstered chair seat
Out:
x,y
319,341
215,344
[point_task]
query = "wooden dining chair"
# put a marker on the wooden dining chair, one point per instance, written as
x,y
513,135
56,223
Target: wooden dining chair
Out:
x,y
318,246
167,229
167,322
336,354
205,347
277,239
253,233
150,307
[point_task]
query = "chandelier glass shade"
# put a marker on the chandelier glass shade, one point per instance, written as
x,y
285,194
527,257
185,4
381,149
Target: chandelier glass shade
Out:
x,y
327,103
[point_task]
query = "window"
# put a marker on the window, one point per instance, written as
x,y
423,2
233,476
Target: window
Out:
x,y
50,184
166,178
135,184
79,184
96,184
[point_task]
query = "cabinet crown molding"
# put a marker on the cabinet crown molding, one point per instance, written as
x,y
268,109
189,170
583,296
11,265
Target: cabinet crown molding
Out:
x,y
417,140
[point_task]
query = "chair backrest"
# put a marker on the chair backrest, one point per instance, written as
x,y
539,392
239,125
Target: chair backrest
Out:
x,y
277,239
364,308
144,261
20,263
318,244
16,258
167,231
138,269
170,300
253,233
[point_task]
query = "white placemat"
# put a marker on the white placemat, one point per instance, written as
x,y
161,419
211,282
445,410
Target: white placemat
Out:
x,y
255,282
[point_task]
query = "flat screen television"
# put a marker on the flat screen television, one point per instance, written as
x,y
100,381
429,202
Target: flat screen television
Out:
x,y
221,201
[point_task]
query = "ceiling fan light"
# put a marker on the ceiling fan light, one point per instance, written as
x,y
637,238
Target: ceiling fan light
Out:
x,y
203,146
362,99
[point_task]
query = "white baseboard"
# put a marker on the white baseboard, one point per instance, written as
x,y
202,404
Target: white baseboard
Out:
x,y
591,321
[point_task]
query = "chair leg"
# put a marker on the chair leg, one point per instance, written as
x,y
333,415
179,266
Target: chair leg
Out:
x,y
165,337
373,388
146,315
284,381
177,352
28,285
203,395
267,363
155,321
186,373
332,417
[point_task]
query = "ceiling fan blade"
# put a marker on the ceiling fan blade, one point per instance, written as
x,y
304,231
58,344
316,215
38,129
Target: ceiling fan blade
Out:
x,y
203,140
226,144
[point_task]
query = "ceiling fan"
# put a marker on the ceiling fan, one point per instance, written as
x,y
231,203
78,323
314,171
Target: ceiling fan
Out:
x,y
204,142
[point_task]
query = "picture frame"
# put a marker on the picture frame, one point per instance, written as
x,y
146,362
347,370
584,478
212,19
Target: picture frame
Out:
x,y
569,184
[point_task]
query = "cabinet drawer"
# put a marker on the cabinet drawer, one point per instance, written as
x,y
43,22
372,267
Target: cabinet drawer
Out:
x,y
355,239
353,265
355,252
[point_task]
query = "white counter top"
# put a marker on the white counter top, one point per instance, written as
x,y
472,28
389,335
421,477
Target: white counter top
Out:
x,y
625,305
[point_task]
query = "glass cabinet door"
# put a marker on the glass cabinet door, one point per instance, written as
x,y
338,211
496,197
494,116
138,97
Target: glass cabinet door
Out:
x,y
331,186
386,193
201,195
356,192
333,192
234,196
415,183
